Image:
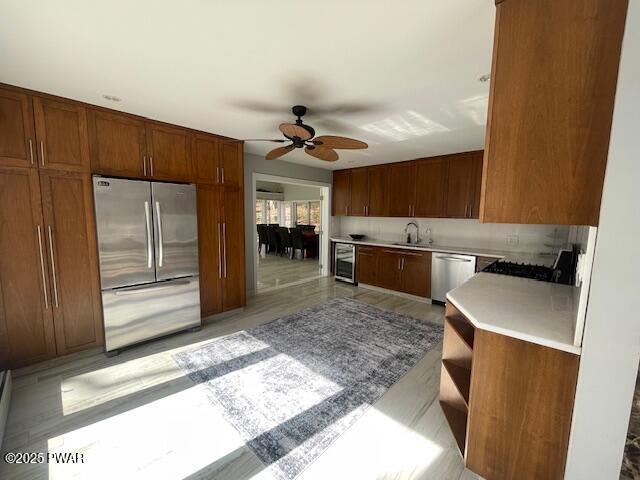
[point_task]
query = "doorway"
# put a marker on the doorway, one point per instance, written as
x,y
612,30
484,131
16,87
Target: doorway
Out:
x,y
291,225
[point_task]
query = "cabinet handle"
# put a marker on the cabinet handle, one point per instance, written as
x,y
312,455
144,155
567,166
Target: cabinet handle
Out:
x,y
151,165
31,151
399,263
53,267
470,211
222,174
219,250
144,165
402,264
44,277
224,246
42,152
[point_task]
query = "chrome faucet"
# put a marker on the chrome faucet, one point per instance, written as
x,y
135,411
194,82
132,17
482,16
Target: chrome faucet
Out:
x,y
406,230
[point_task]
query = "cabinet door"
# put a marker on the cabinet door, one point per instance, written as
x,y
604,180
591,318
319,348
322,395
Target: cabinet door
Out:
x,y
206,153
61,131
26,322
367,265
233,278
210,249
402,189
117,144
478,159
341,192
416,273
378,188
169,152
17,134
359,201
231,158
460,185
431,187
389,270
69,229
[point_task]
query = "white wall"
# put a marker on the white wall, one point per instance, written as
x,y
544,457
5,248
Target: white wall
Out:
x,y
611,341
300,192
461,232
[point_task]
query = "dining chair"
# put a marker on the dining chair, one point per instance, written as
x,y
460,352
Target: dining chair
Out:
x,y
297,242
262,237
285,240
274,240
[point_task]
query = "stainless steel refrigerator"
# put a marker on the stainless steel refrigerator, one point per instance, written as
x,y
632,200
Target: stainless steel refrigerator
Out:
x,y
148,250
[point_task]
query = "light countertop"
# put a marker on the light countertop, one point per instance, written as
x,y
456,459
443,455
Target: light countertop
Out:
x,y
538,312
520,257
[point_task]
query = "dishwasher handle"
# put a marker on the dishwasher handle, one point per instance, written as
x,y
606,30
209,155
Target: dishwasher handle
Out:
x,y
448,258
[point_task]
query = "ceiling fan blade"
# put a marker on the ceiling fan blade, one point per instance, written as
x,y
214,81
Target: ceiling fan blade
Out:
x,y
278,140
332,141
278,152
326,154
292,130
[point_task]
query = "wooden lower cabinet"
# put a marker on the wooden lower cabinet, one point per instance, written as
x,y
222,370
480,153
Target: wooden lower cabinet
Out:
x,y
401,270
70,232
26,316
508,402
233,267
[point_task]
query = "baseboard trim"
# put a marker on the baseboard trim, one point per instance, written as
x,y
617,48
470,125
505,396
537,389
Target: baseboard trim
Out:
x,y
397,294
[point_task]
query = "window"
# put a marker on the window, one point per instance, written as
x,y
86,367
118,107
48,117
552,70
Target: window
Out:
x,y
272,211
287,214
260,218
302,213
314,214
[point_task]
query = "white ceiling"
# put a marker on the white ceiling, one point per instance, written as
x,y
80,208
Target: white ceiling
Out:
x,y
198,63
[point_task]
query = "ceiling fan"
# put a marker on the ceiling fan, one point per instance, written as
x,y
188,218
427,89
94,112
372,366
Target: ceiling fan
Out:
x,y
303,136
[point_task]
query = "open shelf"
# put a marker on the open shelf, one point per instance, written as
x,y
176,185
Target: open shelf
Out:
x,y
460,377
463,328
457,421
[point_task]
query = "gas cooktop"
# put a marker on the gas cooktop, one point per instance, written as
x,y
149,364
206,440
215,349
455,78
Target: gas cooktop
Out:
x,y
535,272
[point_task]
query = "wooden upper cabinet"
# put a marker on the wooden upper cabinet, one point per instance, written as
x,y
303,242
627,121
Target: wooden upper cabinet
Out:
x,y
359,202
231,164
117,144
460,187
378,199
402,189
17,133
61,132
206,155
431,187
69,229
553,81
341,192
169,151
26,322
478,162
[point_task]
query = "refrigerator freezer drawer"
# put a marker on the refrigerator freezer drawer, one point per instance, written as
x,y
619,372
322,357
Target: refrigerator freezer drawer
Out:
x,y
135,314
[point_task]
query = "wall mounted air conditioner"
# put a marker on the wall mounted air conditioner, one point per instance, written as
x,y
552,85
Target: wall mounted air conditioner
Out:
x,y
269,196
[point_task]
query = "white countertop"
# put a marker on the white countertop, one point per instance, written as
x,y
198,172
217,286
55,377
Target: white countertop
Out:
x,y
520,257
538,312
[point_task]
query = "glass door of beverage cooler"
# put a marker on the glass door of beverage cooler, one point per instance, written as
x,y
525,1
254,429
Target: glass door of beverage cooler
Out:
x,y
345,266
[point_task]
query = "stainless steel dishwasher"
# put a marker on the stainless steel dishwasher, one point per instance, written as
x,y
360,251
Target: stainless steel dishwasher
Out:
x,y
448,271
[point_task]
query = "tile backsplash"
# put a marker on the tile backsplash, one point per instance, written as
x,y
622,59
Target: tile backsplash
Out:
x,y
462,233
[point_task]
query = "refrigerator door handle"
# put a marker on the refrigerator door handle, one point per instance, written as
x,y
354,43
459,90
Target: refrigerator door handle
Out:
x,y
160,240
155,287
147,215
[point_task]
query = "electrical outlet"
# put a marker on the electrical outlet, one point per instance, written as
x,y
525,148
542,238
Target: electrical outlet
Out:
x,y
513,240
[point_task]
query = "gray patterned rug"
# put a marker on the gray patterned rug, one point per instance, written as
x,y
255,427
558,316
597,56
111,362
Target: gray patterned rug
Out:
x,y
294,385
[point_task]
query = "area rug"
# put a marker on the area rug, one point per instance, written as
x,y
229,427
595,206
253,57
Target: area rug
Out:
x,y
292,386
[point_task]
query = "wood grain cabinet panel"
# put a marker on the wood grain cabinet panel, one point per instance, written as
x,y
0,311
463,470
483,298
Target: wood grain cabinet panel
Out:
x,y
117,144
233,268
367,265
460,186
389,274
169,150
69,226
26,319
378,189
61,131
231,164
553,82
431,187
402,189
206,159
341,192
520,408
416,273
17,133
209,249
359,201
